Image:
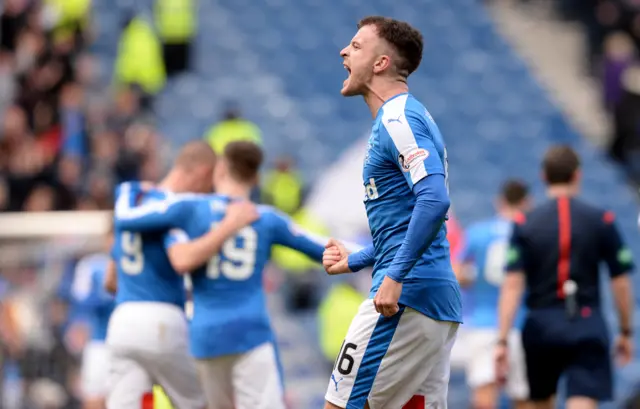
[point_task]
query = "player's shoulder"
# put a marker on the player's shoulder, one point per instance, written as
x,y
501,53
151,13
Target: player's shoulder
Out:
x,y
404,116
400,107
480,228
204,203
597,213
91,262
269,213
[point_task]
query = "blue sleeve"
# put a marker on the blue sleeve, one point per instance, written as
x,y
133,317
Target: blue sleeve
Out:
x,y
151,216
429,213
287,234
410,145
100,297
87,289
362,259
175,236
515,259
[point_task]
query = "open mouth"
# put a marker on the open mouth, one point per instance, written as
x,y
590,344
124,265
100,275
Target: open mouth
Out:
x,y
346,67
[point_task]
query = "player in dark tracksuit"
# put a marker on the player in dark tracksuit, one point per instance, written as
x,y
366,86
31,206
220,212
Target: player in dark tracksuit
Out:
x,y
555,253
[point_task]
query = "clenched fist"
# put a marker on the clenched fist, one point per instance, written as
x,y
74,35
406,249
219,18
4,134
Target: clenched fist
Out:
x,y
335,258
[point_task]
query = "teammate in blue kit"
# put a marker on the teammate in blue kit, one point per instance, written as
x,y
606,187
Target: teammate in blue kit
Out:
x,y
147,332
398,347
483,260
97,304
231,335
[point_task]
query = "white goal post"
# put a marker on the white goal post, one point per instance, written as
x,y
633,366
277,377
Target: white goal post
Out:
x,y
25,225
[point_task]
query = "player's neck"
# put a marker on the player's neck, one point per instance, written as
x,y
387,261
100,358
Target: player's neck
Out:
x,y
508,214
378,94
557,191
171,182
233,189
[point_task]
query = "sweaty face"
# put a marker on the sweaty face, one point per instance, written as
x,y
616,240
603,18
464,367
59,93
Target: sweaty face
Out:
x,y
358,59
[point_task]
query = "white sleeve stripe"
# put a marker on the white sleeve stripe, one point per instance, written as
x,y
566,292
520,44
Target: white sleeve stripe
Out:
x,y
395,122
179,235
123,211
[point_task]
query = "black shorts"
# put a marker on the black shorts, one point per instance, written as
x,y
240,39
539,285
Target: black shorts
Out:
x,y
578,349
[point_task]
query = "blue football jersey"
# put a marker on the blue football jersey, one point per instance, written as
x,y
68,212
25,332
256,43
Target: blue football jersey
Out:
x,y
230,312
406,146
88,293
485,251
144,270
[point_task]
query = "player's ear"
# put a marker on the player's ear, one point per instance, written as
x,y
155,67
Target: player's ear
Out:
x,y
577,176
543,176
381,63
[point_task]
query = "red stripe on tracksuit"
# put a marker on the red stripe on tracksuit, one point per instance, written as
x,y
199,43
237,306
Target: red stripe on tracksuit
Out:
x,y
564,242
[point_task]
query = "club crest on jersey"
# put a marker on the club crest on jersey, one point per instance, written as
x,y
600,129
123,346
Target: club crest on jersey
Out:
x,y
412,158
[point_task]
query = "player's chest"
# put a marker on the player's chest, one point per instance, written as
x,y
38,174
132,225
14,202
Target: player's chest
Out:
x,y
380,176
375,162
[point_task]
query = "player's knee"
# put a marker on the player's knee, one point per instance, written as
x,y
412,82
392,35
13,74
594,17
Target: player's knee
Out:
x,y
581,402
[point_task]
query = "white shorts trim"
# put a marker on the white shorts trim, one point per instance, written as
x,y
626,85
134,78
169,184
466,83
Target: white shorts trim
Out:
x,y
478,345
149,341
149,326
245,381
95,370
386,361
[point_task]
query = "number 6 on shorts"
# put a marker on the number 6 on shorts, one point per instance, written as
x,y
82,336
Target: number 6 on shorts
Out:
x,y
386,361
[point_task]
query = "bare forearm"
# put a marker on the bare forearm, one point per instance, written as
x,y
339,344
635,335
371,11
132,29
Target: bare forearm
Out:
x,y
623,296
186,257
510,297
111,278
460,270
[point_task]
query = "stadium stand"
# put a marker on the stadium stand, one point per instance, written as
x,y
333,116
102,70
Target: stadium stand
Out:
x,y
278,59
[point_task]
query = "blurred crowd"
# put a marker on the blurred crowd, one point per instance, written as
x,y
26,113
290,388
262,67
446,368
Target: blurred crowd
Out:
x,y
612,41
71,127
65,136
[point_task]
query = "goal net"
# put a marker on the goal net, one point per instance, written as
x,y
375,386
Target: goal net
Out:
x,y
41,333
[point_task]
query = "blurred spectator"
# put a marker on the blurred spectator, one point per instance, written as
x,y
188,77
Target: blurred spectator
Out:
x,y
41,199
175,21
283,187
619,54
64,138
13,18
139,60
626,143
68,21
232,128
612,31
301,287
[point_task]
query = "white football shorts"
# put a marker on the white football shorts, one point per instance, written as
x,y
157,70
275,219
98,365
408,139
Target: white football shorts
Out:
x,y
245,381
388,361
479,347
95,370
149,344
